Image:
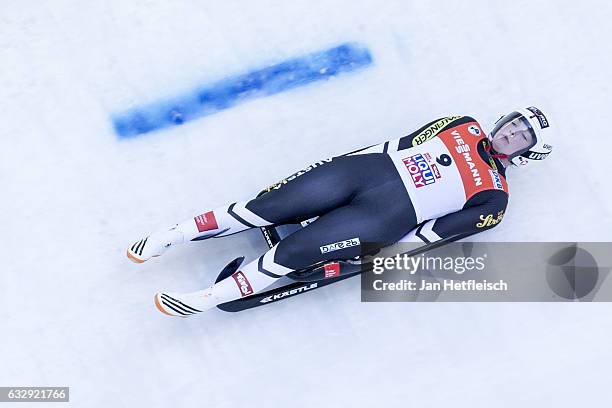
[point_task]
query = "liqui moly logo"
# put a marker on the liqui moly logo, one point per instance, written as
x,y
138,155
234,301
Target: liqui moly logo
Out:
x,y
243,283
541,118
420,171
206,222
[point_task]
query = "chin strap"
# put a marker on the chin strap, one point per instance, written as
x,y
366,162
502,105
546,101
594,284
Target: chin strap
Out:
x,y
489,149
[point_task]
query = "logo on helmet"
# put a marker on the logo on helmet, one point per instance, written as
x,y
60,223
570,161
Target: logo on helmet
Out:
x,y
536,156
541,118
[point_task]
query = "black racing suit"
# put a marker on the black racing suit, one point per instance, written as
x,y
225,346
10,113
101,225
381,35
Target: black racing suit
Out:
x,y
437,182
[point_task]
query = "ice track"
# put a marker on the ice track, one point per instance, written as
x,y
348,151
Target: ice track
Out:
x,y
74,311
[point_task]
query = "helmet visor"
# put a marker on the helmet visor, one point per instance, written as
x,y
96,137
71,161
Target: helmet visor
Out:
x,y
512,136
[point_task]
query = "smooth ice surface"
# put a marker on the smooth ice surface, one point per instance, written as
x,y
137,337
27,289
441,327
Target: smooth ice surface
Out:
x,y
74,311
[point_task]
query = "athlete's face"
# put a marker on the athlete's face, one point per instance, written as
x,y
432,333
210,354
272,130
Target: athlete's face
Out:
x,y
513,137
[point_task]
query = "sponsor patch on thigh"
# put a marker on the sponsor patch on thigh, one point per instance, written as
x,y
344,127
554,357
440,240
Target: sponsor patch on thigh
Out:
x,y
340,245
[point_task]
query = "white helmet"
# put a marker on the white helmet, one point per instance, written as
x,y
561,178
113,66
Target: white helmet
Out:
x,y
518,136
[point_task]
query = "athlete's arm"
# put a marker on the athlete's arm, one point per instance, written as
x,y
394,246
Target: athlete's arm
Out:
x,y
484,211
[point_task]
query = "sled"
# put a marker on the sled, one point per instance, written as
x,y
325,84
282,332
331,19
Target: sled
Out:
x,y
307,280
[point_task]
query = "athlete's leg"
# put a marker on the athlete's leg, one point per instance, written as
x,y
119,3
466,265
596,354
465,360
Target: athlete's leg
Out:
x,y
311,192
381,216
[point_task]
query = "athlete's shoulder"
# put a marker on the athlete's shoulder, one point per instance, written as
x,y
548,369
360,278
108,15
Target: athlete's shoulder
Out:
x,y
462,120
433,129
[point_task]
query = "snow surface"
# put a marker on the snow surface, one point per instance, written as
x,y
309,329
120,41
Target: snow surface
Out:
x,y
75,311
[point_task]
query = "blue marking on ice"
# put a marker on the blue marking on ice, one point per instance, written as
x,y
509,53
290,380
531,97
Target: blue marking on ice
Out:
x,y
228,92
